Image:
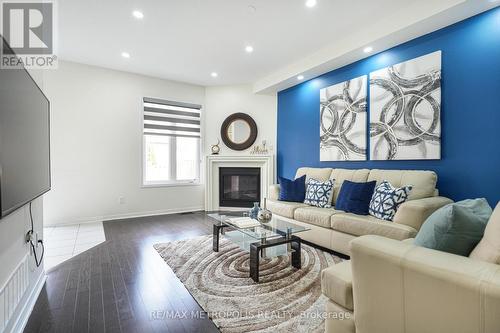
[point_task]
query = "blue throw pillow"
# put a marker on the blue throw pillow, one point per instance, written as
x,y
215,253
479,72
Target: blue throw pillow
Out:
x,y
292,190
355,197
455,228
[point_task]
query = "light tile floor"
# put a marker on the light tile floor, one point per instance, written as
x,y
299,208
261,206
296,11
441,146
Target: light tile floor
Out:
x,y
64,242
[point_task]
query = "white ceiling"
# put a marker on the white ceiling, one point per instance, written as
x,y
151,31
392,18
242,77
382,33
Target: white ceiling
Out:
x,y
186,40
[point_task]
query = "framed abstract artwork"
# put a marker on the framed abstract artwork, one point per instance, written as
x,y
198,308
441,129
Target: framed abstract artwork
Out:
x,y
405,110
343,121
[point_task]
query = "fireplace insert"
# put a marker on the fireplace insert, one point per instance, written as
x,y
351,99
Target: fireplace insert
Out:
x,y
239,187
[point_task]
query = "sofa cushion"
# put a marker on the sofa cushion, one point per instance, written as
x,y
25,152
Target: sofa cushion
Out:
x,y
336,284
360,225
355,197
315,215
353,175
455,228
423,182
338,319
283,208
292,190
322,174
488,248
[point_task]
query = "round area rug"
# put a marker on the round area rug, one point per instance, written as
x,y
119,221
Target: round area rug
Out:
x,y
285,300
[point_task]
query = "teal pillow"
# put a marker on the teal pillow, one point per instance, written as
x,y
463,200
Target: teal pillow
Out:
x,y
455,228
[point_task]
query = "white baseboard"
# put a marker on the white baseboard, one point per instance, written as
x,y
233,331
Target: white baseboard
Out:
x,y
22,319
124,216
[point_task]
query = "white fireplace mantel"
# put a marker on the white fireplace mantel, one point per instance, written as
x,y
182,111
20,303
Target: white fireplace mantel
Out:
x,y
214,162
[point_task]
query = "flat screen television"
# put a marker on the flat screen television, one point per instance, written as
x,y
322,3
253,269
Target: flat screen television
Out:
x,y
24,139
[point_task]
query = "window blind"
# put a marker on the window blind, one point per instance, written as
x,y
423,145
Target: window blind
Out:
x,y
162,117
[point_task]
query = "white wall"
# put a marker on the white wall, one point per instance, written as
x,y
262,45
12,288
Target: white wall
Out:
x,y
225,100
96,145
13,250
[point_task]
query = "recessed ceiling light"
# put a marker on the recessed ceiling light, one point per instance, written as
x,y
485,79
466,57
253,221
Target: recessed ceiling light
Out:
x,y
249,48
368,49
300,77
214,74
126,55
138,14
311,3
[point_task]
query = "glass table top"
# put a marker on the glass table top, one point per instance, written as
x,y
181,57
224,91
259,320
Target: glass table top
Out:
x,y
277,227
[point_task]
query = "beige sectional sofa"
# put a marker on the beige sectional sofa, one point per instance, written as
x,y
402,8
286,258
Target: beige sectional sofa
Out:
x,y
394,286
334,229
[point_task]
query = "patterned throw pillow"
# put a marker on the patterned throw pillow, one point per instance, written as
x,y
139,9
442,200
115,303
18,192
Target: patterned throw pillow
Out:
x,y
319,193
386,200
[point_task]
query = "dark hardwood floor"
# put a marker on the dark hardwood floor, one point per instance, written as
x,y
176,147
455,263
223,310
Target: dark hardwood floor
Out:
x,y
122,285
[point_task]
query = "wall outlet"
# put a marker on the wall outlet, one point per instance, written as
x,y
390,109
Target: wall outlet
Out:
x,y
121,200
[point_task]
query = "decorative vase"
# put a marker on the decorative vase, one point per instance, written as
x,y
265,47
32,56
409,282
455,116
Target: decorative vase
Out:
x,y
254,211
264,215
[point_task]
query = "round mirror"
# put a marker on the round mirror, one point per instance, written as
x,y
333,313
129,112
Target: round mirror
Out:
x,y
239,131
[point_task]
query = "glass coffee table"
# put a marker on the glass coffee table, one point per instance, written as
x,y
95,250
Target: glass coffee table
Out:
x,y
270,239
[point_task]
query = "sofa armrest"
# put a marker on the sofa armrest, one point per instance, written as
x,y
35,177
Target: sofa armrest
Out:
x,y
413,213
274,192
419,286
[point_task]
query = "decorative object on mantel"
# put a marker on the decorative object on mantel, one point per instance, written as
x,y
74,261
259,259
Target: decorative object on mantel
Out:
x,y
254,212
216,148
260,149
238,131
264,215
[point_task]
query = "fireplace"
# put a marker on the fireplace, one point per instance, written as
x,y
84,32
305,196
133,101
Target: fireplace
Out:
x,y
239,187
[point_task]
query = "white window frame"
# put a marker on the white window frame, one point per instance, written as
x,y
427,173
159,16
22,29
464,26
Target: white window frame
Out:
x,y
173,153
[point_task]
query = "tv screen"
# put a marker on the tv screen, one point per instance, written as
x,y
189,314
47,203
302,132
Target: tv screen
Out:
x,y
24,140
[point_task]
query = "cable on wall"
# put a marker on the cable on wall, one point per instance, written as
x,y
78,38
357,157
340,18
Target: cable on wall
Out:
x,y
34,242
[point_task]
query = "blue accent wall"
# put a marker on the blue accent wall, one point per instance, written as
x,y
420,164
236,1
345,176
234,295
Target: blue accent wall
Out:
x,y
470,110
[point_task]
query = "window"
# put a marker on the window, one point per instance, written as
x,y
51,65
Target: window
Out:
x,y
171,138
